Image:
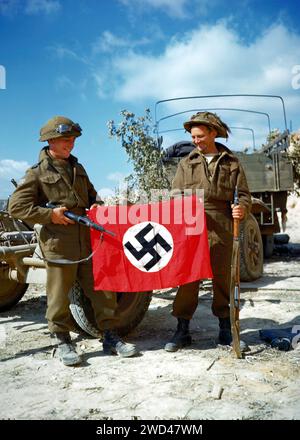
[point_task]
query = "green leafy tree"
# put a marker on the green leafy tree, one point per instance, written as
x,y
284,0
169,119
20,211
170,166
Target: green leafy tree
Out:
x,y
136,136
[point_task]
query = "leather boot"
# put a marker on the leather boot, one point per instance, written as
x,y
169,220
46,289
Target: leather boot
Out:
x,y
225,336
66,352
181,337
113,344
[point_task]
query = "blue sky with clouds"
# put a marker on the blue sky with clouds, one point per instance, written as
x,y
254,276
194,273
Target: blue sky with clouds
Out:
x,y
89,59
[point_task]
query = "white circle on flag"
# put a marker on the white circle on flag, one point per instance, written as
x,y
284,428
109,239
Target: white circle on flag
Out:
x,y
148,246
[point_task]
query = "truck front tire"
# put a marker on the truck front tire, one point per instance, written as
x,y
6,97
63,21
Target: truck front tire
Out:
x,y
251,250
10,291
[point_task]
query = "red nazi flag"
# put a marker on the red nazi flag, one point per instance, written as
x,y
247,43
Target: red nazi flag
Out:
x,y
155,246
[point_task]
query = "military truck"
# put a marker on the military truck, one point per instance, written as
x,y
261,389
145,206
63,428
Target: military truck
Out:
x,y
268,170
270,177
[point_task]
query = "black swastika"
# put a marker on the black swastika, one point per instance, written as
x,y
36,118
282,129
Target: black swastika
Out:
x,y
148,247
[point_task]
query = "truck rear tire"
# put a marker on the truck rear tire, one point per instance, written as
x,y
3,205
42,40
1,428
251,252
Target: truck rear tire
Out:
x,y
251,250
10,292
132,307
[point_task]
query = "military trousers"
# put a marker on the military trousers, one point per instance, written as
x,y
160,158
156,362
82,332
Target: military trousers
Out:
x,y
219,227
60,279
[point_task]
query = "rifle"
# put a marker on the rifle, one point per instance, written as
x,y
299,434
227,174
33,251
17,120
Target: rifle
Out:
x,y
235,283
14,182
82,220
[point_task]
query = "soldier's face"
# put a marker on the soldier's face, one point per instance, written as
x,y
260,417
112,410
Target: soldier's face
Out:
x,y
204,139
60,148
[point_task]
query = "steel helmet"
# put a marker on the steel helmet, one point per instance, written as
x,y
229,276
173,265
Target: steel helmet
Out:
x,y
59,126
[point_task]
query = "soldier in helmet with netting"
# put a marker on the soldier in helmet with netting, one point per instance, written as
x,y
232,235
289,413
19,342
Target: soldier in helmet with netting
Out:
x,y
59,177
213,167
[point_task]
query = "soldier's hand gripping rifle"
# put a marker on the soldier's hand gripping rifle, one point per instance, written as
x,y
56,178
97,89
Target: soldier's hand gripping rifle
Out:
x,y
81,219
235,284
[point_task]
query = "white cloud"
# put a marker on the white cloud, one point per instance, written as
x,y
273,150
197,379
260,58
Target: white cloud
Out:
x,y
63,82
34,7
62,52
211,60
109,42
12,168
101,84
214,60
174,8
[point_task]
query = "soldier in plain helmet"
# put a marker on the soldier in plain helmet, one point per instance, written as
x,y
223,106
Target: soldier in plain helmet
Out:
x,y
59,177
213,167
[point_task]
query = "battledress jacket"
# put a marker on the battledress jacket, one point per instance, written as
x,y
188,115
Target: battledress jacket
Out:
x,y
46,181
192,173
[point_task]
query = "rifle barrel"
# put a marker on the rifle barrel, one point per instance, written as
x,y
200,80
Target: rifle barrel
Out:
x,y
82,219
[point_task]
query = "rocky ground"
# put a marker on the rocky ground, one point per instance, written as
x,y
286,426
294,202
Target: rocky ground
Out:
x,y
205,381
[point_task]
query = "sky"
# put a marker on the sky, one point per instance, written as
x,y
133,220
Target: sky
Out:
x,y
90,59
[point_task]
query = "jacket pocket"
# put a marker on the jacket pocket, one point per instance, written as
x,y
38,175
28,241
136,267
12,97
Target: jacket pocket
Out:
x,y
228,176
194,175
53,186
